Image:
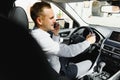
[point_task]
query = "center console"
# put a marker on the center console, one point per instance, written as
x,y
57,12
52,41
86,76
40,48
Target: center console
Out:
x,y
108,64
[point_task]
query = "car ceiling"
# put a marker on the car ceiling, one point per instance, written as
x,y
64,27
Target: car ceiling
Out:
x,y
112,2
65,1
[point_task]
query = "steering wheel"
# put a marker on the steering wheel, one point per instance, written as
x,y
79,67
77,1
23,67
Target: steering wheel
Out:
x,y
80,34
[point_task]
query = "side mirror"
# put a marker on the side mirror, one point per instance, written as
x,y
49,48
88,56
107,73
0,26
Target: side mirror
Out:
x,y
110,9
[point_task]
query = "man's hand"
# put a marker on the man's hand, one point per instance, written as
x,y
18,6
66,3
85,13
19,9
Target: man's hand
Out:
x,y
56,29
91,38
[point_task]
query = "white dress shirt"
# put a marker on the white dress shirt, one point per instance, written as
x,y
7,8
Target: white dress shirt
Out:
x,y
53,48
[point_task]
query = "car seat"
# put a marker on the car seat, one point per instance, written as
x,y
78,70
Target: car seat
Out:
x,y
34,61
18,15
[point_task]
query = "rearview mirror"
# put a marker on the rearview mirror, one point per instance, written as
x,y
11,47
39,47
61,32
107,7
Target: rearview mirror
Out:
x,y
110,9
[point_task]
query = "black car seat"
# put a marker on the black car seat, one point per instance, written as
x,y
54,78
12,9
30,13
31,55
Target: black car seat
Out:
x,y
26,55
18,15
21,57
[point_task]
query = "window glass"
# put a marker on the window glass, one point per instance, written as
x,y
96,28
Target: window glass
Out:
x,y
64,20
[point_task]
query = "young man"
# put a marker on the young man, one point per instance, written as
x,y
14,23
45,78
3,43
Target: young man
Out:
x,y
43,17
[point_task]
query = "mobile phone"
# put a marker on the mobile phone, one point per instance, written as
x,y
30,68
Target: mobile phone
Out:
x,y
56,24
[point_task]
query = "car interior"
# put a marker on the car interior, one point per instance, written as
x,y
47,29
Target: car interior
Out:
x,y
21,54
104,53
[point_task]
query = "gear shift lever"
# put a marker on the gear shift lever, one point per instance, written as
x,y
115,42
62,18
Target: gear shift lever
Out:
x,y
98,71
101,66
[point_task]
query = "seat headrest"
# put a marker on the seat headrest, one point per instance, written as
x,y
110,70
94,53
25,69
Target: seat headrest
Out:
x,y
19,16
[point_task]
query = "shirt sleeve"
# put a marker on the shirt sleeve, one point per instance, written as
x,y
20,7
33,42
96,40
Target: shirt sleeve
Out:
x,y
54,47
73,49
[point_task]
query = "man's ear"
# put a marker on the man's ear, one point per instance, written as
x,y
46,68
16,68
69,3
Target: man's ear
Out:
x,y
39,21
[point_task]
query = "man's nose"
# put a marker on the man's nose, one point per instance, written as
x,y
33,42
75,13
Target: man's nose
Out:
x,y
54,20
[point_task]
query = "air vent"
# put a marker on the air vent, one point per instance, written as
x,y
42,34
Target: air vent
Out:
x,y
117,51
107,47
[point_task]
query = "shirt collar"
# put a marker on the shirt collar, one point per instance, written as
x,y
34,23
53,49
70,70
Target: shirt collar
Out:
x,y
43,32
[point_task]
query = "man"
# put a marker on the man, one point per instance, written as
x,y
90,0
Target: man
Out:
x,y
43,17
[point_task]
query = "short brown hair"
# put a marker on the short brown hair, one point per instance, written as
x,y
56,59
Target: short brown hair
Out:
x,y
37,9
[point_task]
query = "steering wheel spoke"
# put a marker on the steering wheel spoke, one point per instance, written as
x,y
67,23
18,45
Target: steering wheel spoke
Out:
x,y
79,34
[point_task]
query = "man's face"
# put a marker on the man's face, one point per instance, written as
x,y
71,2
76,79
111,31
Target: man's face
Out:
x,y
48,20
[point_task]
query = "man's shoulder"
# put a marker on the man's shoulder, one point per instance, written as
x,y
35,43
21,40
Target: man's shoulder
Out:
x,y
39,32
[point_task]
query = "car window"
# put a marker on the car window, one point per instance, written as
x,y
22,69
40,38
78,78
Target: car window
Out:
x,y
64,20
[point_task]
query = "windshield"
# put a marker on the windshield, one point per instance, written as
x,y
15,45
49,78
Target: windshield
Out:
x,y
90,12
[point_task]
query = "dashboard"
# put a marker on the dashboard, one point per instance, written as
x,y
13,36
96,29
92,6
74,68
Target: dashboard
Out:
x,y
110,54
108,47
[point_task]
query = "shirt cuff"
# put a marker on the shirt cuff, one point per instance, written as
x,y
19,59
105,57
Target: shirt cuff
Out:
x,y
56,38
